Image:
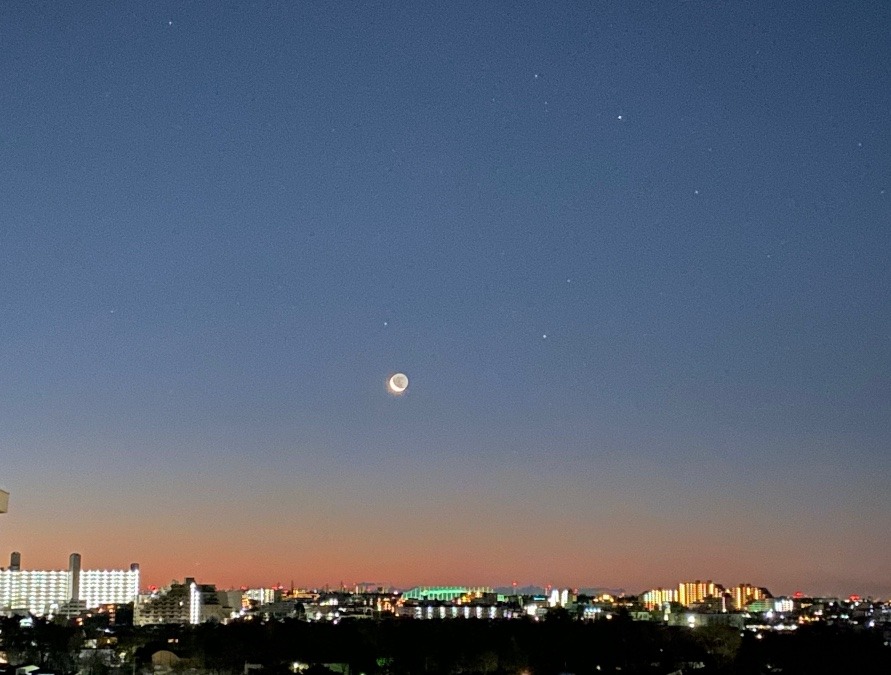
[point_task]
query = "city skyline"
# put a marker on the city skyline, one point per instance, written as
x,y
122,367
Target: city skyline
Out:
x,y
706,582
83,588
631,258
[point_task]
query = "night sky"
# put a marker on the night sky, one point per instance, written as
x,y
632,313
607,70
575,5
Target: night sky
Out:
x,y
633,257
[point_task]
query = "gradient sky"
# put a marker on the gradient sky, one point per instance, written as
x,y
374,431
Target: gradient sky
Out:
x,y
634,257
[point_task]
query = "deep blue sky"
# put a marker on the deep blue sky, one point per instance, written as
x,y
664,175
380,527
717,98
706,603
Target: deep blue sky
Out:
x,y
634,257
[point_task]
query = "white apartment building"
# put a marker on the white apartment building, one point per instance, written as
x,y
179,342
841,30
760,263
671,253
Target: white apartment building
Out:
x,y
43,592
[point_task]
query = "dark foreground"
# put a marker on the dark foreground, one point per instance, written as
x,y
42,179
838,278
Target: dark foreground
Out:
x,y
455,647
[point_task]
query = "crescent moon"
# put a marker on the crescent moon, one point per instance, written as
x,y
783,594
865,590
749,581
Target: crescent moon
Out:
x,y
397,383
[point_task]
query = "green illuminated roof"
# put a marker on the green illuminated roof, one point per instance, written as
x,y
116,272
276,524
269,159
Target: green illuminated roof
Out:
x,y
442,592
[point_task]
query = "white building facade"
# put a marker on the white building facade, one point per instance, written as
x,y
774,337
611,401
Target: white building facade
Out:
x,y
43,592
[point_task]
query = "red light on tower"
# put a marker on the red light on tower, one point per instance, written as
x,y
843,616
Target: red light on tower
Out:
x,y
854,598
797,595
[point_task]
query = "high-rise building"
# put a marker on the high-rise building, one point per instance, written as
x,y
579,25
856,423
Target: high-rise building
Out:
x,y
36,592
4,501
15,561
743,594
558,598
694,592
106,587
657,597
42,592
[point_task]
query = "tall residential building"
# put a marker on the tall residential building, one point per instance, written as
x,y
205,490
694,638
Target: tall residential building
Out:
x,y
657,597
694,592
33,591
109,587
559,598
42,592
743,594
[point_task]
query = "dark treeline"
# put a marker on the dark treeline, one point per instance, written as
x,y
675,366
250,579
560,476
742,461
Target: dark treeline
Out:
x,y
451,646
461,647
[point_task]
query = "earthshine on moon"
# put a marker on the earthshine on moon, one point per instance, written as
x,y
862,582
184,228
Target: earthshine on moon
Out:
x,y
397,384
